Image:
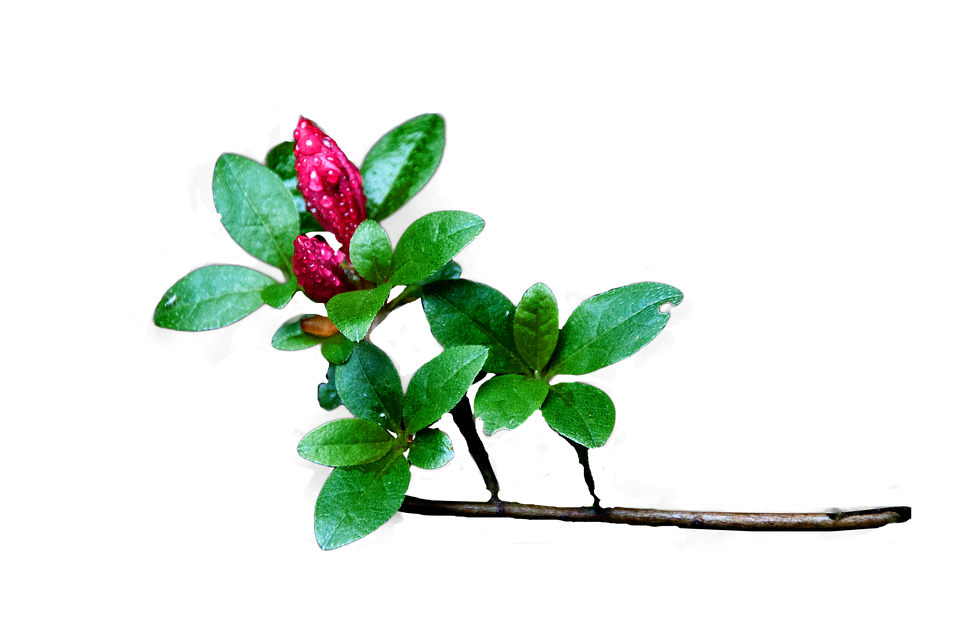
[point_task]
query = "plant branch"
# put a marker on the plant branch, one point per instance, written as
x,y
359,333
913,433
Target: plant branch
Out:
x,y
866,519
463,416
583,456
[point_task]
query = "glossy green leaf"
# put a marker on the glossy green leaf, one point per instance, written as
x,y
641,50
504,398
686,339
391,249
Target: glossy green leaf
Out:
x,y
611,326
431,449
211,297
505,402
581,412
256,209
439,384
281,160
355,501
536,326
370,252
337,349
449,271
279,294
400,163
354,311
369,386
327,395
290,337
430,242
463,312
344,443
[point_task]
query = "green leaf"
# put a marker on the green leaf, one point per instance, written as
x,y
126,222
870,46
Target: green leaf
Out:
x,y
282,161
449,271
211,297
430,242
344,443
327,395
370,252
439,384
580,412
463,312
369,386
355,501
337,349
400,163
354,311
536,326
279,294
611,326
256,209
290,337
505,402
431,449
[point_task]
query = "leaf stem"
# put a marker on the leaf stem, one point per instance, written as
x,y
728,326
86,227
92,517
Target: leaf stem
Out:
x,y
583,456
463,417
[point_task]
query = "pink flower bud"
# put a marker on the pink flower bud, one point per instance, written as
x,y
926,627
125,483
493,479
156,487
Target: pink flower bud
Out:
x,y
317,267
331,185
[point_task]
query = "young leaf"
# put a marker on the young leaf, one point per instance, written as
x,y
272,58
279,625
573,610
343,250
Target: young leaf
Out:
x,y
256,209
431,449
369,386
279,294
290,337
430,242
337,349
281,161
344,443
611,326
580,412
370,252
354,311
439,384
463,312
211,297
505,402
355,501
536,326
400,163
327,395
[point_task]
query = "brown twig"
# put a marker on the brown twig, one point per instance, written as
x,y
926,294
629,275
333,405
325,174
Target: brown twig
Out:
x,y
839,521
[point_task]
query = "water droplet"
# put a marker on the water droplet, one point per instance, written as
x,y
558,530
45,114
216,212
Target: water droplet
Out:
x,y
327,143
169,302
326,202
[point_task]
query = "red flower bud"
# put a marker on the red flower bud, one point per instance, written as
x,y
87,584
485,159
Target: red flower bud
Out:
x,y
331,185
317,267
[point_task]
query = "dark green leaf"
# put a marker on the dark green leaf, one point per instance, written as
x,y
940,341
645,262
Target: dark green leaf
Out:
x,y
536,326
580,412
256,209
439,384
400,163
505,402
327,394
431,449
279,294
354,311
430,242
344,443
290,337
211,297
308,223
355,501
337,348
370,252
463,312
449,271
611,326
281,160
369,386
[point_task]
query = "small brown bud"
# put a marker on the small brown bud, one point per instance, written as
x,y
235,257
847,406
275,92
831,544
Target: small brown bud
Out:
x,y
318,326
